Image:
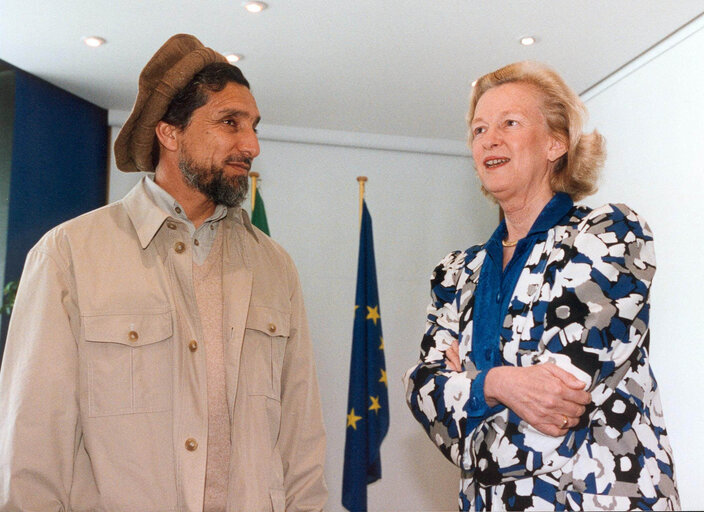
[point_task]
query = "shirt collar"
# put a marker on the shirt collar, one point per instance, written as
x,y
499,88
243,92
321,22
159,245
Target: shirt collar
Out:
x,y
147,217
551,214
560,204
166,202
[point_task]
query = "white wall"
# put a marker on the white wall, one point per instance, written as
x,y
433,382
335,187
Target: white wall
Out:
x,y
652,115
422,207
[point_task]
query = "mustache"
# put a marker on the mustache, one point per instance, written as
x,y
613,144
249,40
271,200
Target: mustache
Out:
x,y
240,160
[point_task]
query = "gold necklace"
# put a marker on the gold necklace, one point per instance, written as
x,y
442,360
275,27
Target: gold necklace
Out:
x,y
509,244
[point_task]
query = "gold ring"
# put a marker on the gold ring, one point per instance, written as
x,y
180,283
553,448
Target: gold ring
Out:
x,y
564,421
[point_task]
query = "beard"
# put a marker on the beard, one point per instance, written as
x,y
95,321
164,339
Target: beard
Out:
x,y
212,181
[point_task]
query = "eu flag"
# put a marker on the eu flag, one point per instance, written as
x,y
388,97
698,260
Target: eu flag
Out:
x,y
367,400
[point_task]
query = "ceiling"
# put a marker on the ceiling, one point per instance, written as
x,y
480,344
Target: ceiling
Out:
x,y
394,67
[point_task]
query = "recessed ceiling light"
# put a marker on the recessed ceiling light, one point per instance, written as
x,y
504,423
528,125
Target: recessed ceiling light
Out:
x,y
528,40
93,41
255,6
233,57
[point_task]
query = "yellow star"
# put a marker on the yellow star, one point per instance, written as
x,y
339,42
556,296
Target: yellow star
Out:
x,y
355,307
375,404
352,419
383,378
373,314
381,347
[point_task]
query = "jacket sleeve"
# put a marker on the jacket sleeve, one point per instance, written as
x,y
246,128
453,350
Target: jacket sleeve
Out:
x,y
595,311
302,435
40,430
446,403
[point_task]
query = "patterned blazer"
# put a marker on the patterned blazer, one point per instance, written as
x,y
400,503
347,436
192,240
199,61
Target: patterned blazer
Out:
x,y
582,303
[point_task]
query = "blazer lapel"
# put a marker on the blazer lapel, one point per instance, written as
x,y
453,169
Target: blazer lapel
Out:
x,y
468,285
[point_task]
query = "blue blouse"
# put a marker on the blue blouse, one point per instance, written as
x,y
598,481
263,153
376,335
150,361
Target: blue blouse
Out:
x,y
493,294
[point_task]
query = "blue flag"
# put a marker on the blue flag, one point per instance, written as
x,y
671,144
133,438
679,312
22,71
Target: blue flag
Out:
x,y
367,400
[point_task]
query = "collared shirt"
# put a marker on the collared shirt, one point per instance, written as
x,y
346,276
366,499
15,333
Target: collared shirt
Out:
x,y
105,355
494,292
203,237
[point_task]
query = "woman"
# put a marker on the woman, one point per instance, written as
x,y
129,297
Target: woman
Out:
x,y
534,375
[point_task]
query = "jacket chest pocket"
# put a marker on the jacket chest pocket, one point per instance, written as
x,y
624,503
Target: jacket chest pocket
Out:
x,y
266,334
128,363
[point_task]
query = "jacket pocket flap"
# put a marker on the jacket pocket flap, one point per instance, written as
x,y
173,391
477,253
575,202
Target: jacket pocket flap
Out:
x,y
269,321
133,330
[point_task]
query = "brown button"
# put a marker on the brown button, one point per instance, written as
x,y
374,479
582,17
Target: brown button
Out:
x,y
179,247
193,346
196,242
191,444
171,225
133,336
272,328
178,210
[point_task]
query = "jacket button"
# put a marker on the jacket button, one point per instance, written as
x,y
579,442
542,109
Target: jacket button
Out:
x,y
133,336
191,444
171,225
272,328
179,247
193,346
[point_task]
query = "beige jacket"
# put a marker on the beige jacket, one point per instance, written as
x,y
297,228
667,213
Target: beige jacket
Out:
x,y
103,401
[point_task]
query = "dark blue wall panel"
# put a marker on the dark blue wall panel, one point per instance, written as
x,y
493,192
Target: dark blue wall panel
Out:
x,y
59,164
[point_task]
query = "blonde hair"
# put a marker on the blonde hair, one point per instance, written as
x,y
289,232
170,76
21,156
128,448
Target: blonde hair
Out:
x,y
577,171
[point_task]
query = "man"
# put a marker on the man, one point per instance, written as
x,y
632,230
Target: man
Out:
x,y
158,356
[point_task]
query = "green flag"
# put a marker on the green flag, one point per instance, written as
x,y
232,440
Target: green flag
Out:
x,y
259,214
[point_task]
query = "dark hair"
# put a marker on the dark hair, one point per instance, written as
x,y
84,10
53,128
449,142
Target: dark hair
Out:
x,y
212,78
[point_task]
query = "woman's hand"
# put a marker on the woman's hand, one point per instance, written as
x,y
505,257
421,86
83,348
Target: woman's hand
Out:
x,y
452,357
549,398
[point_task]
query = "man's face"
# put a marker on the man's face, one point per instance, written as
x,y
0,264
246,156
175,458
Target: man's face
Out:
x,y
218,145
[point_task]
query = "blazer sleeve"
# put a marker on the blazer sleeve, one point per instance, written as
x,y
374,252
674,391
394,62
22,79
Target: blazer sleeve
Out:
x,y
40,427
595,310
302,434
446,403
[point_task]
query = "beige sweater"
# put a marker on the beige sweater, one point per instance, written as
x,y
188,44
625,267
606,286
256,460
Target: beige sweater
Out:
x,y
207,281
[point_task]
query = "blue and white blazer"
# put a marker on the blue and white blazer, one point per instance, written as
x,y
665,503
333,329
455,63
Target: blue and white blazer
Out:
x,y
581,302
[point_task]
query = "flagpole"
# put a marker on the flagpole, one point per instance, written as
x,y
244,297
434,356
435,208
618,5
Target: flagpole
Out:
x,y
254,175
362,180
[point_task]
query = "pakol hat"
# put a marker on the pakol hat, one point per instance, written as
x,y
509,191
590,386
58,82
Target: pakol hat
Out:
x,y
166,73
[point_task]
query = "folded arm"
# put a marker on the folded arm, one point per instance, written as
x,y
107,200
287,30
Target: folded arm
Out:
x,y
595,318
445,402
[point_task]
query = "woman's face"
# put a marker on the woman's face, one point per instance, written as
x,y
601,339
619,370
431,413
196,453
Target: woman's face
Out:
x,y
513,148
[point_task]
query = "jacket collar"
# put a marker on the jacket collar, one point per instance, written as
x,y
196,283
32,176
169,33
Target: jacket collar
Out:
x,y
147,218
239,216
551,214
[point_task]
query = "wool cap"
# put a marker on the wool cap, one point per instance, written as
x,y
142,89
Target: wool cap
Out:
x,y
166,73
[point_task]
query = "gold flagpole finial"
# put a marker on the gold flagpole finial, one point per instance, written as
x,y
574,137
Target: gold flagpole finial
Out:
x,y
254,175
362,180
